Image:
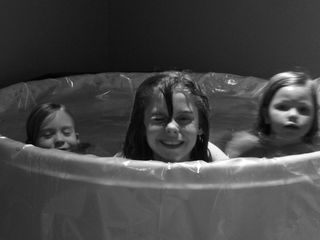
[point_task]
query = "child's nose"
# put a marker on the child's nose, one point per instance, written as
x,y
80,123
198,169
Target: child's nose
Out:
x,y
172,127
293,113
59,139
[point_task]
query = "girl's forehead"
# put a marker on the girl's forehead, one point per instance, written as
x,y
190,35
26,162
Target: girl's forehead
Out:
x,y
179,100
304,89
295,92
59,117
159,92
177,92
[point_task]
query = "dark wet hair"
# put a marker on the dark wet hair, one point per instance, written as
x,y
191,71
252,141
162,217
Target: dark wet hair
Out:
x,y
36,118
278,81
135,145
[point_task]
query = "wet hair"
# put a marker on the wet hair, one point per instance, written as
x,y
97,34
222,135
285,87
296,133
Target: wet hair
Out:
x,y
37,117
277,82
135,145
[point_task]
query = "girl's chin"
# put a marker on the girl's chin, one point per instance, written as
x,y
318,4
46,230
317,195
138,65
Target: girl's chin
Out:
x,y
286,140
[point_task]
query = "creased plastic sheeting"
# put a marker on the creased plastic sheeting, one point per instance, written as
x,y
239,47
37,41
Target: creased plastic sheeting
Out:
x,y
50,194
101,105
88,197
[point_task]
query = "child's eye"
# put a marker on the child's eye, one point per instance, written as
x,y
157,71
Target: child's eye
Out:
x,y
67,132
304,110
158,119
47,134
184,119
282,107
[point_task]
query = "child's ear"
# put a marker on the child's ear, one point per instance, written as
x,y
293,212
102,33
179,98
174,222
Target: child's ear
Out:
x,y
200,132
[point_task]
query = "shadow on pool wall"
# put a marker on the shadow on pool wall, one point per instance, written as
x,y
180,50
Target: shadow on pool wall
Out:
x,y
48,194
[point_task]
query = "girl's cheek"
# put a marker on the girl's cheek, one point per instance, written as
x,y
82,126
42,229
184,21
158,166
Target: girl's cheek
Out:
x,y
190,127
154,127
45,144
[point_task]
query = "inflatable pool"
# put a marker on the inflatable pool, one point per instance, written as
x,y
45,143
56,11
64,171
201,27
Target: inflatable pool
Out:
x,y
49,194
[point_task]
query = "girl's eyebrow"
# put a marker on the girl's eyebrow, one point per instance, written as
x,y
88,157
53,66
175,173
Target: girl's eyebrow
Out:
x,y
157,111
52,129
298,101
67,127
46,129
188,111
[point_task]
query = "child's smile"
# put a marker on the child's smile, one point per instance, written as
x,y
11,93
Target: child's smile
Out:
x,y
172,138
171,144
57,131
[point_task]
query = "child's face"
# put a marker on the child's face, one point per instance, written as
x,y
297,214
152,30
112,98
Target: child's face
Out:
x,y
291,113
172,139
57,131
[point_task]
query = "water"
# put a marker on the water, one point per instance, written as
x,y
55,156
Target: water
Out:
x,y
102,108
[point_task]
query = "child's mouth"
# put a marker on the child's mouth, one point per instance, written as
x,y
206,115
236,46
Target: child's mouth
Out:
x,y
64,149
171,143
291,126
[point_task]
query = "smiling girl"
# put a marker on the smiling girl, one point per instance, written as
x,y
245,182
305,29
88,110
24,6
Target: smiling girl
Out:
x,y
51,125
169,122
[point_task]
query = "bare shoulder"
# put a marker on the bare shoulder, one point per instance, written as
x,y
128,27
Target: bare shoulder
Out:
x,y
241,142
216,153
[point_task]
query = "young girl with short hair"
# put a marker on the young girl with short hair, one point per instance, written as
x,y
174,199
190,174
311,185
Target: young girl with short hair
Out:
x,y
51,125
287,121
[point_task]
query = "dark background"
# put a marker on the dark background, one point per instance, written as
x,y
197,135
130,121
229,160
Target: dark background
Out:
x,y
51,38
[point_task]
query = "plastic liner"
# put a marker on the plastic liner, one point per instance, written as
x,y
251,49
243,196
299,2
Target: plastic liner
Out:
x,y
51,194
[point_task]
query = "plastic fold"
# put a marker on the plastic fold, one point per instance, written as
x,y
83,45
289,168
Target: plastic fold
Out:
x,y
51,194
